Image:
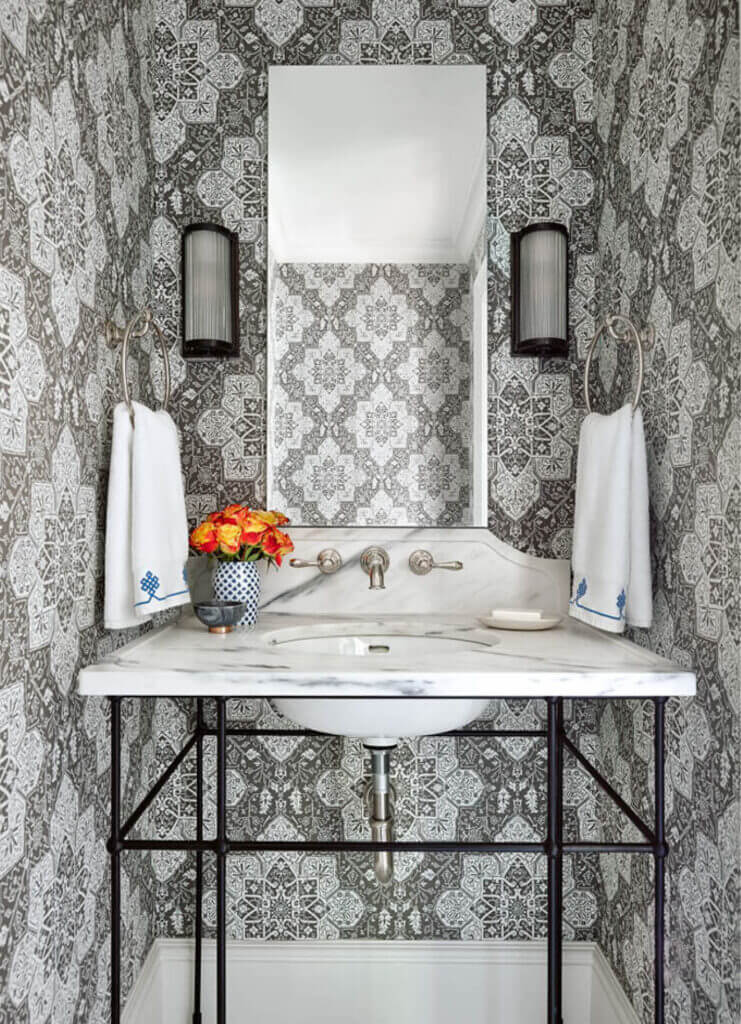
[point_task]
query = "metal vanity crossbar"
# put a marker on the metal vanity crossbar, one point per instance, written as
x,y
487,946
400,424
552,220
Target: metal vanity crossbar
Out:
x,y
552,846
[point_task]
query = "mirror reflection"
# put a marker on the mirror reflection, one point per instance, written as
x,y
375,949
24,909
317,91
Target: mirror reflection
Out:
x,y
377,295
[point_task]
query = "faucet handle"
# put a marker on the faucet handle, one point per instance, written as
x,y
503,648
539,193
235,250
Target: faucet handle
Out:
x,y
328,562
421,562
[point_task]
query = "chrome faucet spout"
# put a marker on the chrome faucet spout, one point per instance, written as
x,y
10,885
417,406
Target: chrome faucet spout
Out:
x,y
375,561
376,577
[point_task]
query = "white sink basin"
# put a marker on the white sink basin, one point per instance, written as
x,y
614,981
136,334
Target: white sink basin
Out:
x,y
379,722
359,645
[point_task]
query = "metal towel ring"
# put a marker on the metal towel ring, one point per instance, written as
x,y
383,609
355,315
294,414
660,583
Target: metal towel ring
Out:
x,y
620,328
137,327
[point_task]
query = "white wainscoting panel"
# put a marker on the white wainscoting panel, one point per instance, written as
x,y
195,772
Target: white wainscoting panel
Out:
x,y
382,982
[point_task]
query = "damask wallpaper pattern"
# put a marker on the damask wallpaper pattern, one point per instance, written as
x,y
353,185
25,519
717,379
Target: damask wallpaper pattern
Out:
x,y
209,140
209,137
371,394
623,122
669,240
122,122
76,174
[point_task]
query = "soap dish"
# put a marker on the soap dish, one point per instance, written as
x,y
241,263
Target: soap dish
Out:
x,y
520,618
220,616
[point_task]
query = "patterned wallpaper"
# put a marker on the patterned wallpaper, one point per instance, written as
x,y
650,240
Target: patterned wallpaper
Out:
x,y
371,394
646,92
623,122
209,141
669,239
299,788
76,176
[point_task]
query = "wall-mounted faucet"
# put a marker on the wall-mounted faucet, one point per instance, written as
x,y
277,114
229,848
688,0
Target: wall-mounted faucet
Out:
x,y
375,561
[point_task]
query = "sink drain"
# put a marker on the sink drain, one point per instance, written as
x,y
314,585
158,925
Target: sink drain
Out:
x,y
378,648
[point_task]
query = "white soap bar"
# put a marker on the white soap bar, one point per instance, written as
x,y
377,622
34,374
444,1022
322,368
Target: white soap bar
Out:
x,y
518,614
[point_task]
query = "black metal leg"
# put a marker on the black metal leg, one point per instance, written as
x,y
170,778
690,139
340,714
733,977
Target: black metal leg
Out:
x,y
114,848
221,851
554,846
198,964
660,852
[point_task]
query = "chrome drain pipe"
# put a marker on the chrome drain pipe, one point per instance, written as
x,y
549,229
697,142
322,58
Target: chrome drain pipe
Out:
x,y
381,811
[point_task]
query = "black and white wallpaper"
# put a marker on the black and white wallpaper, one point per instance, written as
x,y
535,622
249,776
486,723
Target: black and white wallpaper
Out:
x,y
209,138
669,241
122,122
370,394
210,144
76,182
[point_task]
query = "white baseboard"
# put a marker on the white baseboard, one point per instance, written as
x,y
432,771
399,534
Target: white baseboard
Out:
x,y
382,982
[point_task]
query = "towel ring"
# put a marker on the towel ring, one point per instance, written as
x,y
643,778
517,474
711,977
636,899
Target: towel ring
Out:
x,y
137,327
620,328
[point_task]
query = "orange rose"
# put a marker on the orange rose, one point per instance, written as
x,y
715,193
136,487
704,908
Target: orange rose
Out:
x,y
286,544
230,538
275,544
252,529
236,527
204,538
243,517
234,511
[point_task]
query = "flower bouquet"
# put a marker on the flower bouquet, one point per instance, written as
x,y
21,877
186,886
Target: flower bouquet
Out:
x,y
238,537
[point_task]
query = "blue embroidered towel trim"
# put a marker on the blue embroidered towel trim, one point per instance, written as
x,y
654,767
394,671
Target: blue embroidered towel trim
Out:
x,y
598,604
164,588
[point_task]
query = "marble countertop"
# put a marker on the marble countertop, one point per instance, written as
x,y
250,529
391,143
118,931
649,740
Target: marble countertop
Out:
x,y
571,660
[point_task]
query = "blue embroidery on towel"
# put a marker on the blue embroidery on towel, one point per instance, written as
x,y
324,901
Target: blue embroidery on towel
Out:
x,y
581,591
150,584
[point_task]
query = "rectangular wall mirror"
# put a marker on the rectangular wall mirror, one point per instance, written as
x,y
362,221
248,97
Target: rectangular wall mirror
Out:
x,y
377,292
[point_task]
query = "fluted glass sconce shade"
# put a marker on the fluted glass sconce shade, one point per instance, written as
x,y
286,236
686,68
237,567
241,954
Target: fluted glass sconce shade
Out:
x,y
210,291
540,290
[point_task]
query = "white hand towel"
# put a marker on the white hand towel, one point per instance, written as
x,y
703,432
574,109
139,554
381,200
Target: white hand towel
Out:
x,y
146,524
118,612
611,560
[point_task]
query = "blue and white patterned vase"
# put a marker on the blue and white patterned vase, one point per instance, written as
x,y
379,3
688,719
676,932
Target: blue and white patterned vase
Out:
x,y
239,581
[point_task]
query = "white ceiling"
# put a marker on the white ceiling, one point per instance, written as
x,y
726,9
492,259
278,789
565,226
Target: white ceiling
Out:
x,y
376,164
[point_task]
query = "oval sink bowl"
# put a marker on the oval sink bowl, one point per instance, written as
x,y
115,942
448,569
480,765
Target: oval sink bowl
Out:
x,y
379,722
399,645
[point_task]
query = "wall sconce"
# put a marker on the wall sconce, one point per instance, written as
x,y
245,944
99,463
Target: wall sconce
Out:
x,y
540,290
210,291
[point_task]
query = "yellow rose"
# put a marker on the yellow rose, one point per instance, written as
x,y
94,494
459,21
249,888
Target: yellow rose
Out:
x,y
230,538
204,538
271,517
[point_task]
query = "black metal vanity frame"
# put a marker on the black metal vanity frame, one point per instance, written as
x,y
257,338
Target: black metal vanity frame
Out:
x,y
553,846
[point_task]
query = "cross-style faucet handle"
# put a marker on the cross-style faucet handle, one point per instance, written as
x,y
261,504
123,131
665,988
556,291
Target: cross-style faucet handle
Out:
x,y
328,562
421,562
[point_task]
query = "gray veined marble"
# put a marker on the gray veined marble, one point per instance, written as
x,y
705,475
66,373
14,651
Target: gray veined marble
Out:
x,y
571,660
493,574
